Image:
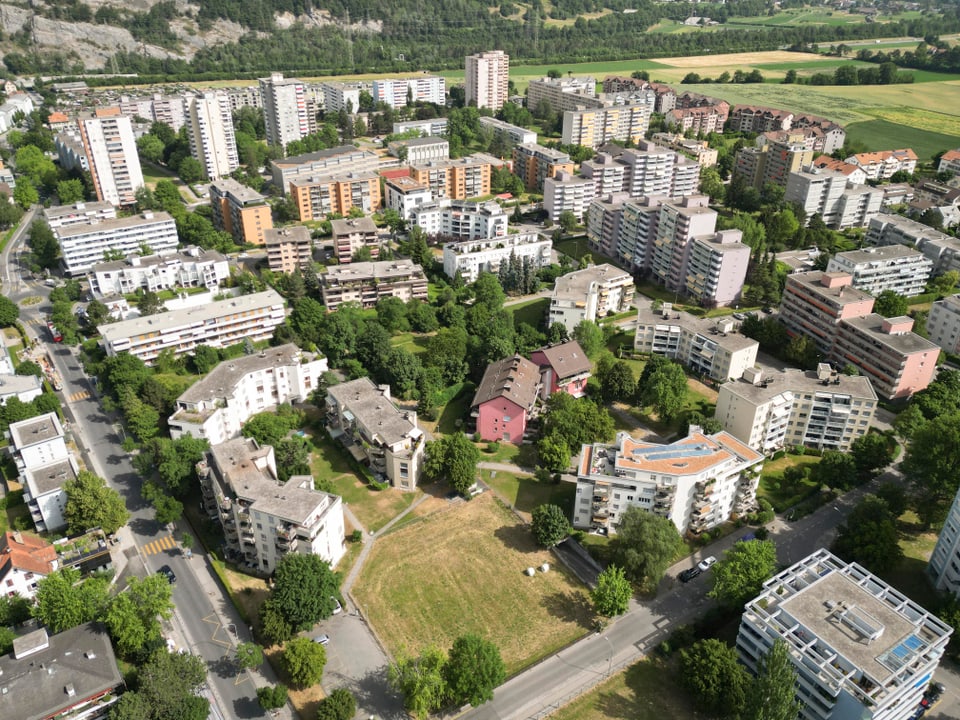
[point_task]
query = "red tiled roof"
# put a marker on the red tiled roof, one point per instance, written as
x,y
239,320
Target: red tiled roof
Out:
x,y
395,173
27,552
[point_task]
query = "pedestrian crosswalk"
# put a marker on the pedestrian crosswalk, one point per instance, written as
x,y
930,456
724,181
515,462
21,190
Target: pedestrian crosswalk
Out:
x,y
79,395
158,546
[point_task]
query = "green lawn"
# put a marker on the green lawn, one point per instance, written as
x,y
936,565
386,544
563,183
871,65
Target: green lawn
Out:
x,y
411,342
525,492
772,473
457,409
910,576
574,247
522,455
882,134
533,312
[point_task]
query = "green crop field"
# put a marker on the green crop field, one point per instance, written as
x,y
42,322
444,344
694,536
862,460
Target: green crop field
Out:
x,y
884,135
800,17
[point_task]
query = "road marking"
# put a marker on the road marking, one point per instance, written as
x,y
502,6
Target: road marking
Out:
x,y
79,395
217,627
157,546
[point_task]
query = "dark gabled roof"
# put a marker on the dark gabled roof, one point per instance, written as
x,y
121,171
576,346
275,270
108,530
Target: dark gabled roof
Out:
x,y
514,378
566,359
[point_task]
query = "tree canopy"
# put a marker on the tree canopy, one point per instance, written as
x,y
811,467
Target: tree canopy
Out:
x,y
303,588
165,687
452,458
421,681
741,572
474,668
772,693
549,524
930,464
645,544
304,661
712,671
90,504
869,536
664,387
612,594
575,421
63,602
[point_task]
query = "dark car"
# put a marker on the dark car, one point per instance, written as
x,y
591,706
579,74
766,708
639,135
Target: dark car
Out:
x,y
168,573
689,574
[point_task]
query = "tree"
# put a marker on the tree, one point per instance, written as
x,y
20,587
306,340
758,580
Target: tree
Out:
x,y
802,350
90,504
645,545
190,170
612,594
249,655
149,303
272,697
166,687
712,671
575,421
25,195
132,618
589,336
143,420
9,312
553,453
835,470
392,314
304,661
549,524
889,304
63,602
205,358
268,428
150,148
421,681
123,371
740,574
869,536
945,284
474,668
871,453
303,588
70,191
338,705
665,389
567,221
772,693
909,421
452,458
617,383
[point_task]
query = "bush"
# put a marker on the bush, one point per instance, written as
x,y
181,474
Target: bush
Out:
x,y
356,536
493,447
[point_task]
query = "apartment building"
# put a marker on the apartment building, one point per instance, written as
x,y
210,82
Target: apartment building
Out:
x,y
757,119
240,211
652,169
289,249
772,163
79,213
889,267
168,109
884,164
712,348
564,367
606,173
249,96
70,150
192,267
461,219
400,92
506,399
716,268
460,179
854,174
593,127
535,163
471,257
363,417
422,150
773,410
516,134
405,195
339,96
665,96
82,246
860,647
567,192
949,162
698,150
696,120
216,407
830,195
944,565
897,361
814,303
940,248
352,234
218,324
264,519
24,561
590,294
365,283
487,77
317,196
433,126
22,387
943,324
637,230
604,215
39,450
342,160
697,482
11,109
285,113
211,135
110,149
563,93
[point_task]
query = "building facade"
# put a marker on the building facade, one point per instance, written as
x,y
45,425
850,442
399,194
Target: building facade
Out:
x,y
697,482
352,234
211,135
814,303
363,417
535,163
943,324
590,294
82,246
399,92
422,150
341,160
39,450
517,135
192,267
567,192
563,368
460,179
940,248
289,249
891,267
594,127
944,565
317,196
110,149
486,79
884,164
405,195
506,399
240,211
860,647
563,93
830,195
24,561
461,219
365,283
471,257
285,114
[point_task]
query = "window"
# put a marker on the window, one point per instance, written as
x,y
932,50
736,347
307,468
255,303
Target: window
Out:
x,y
404,470
506,418
506,437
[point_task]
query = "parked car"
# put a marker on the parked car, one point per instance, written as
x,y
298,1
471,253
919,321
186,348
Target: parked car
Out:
x,y
689,574
337,607
322,639
168,573
706,563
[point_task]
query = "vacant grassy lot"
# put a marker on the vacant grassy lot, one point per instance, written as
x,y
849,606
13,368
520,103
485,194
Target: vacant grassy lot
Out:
x,y
461,571
525,492
647,690
770,481
411,342
574,247
533,312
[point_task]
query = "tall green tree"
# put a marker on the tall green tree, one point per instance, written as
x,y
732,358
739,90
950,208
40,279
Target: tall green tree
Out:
x,y
421,681
740,573
304,661
165,687
63,602
303,588
452,458
665,389
612,594
338,705
869,536
711,670
549,524
133,617
645,545
871,453
589,336
835,470
90,504
474,669
890,304
772,693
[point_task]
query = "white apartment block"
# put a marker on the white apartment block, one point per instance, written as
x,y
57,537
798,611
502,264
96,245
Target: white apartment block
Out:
x,y
716,268
18,103
597,126
422,150
563,93
486,79
461,219
567,192
365,283
889,229
216,407
697,482
192,267
80,213
590,294
22,387
405,195
706,347
339,96
606,174
398,92
830,195
262,518
249,96
111,152
70,150
860,647
83,246
518,135
884,164
434,126
888,267
218,324
39,451
772,410
211,135
285,111
363,417
472,257
943,324
944,566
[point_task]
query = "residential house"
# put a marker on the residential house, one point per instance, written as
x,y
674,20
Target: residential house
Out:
x,y
289,249
884,164
506,399
564,368
24,561
39,451
191,267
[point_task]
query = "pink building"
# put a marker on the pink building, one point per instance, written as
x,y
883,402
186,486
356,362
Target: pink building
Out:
x,y
563,368
815,302
505,399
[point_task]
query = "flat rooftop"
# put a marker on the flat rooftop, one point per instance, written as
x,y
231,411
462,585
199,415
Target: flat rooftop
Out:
x,y
373,409
578,282
47,478
237,190
220,381
348,226
35,430
906,343
708,327
149,261
326,154
76,209
381,270
880,253
800,381
113,224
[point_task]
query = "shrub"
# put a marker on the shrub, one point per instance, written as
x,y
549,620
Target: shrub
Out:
x,y
356,536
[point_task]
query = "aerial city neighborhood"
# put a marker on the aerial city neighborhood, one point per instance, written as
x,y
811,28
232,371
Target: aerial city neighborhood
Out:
x,y
480,393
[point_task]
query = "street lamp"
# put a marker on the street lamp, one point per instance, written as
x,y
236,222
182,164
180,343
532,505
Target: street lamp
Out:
x,y
610,657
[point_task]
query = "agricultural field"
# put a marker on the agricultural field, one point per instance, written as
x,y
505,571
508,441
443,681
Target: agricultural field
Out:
x,y
460,571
